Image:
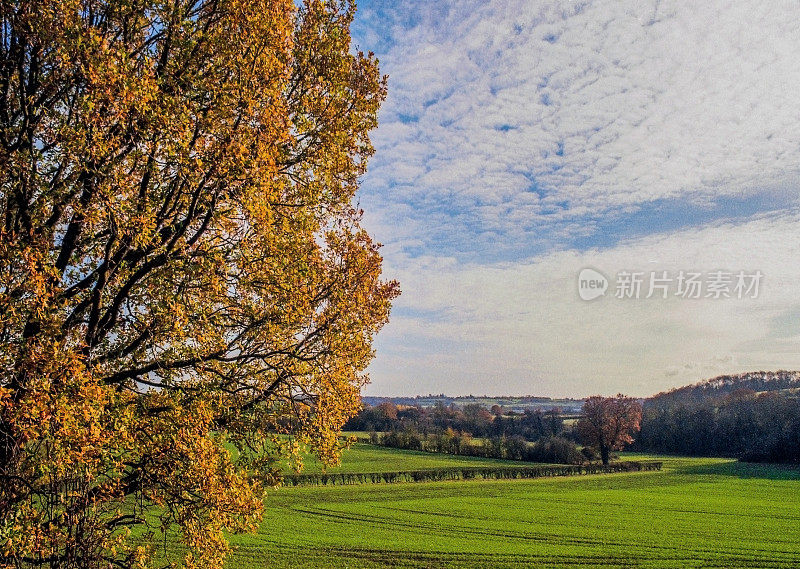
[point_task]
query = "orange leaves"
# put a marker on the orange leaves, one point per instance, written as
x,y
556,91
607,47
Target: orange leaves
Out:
x,y
608,422
64,408
184,280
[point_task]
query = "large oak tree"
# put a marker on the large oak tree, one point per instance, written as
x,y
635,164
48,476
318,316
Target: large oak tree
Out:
x,y
608,423
182,271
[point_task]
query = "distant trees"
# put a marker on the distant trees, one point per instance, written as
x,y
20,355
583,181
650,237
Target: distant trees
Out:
x,y
555,450
742,423
471,430
752,416
478,417
473,418
382,417
717,388
608,423
389,410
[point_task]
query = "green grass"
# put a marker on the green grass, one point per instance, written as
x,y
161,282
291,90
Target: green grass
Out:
x,y
694,513
362,457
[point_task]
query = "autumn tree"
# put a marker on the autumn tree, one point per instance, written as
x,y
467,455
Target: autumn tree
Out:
x,y
388,409
607,423
182,269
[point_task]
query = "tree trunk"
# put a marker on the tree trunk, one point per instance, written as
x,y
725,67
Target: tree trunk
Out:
x,y
604,452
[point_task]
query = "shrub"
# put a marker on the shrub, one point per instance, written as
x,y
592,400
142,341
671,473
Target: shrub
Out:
x,y
556,450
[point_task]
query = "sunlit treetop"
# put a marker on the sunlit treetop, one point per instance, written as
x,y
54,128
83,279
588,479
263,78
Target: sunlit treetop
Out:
x,y
183,272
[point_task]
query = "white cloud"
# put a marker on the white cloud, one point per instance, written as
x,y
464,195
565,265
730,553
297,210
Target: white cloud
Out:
x,y
521,327
517,114
514,129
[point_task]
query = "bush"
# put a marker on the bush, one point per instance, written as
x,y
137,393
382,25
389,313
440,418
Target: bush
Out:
x,y
556,450
466,473
409,439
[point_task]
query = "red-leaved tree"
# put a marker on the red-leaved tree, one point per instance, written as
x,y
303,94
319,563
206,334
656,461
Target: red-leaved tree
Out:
x,y
608,423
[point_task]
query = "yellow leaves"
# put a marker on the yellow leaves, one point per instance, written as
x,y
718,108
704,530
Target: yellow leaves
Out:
x,y
214,291
65,409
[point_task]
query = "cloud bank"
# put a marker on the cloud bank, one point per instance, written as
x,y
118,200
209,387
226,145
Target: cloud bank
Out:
x,y
522,141
522,328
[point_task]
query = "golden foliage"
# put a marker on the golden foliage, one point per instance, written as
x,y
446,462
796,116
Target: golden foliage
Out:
x,y
186,295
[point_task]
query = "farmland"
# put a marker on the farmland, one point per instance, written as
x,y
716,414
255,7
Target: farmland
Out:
x,y
369,458
694,513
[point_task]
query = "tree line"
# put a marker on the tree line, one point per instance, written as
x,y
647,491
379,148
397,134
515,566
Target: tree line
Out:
x,y
606,424
471,430
473,418
752,416
742,423
551,449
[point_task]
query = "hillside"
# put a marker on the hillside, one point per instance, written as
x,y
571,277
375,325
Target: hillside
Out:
x,y
721,386
751,416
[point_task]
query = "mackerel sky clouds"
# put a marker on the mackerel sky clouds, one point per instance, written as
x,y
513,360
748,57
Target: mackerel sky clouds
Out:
x,y
524,141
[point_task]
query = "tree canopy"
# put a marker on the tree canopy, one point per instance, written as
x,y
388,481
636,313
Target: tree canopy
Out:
x,y
186,294
608,423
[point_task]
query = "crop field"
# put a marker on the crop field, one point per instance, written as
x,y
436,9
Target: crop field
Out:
x,y
362,457
694,513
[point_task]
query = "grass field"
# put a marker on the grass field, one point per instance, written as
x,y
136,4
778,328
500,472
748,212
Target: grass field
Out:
x,y
369,458
694,513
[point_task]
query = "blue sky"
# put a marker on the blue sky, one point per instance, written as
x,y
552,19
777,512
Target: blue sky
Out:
x,y
523,141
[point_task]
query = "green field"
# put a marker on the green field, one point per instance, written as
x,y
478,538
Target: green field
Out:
x,y
369,458
694,513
